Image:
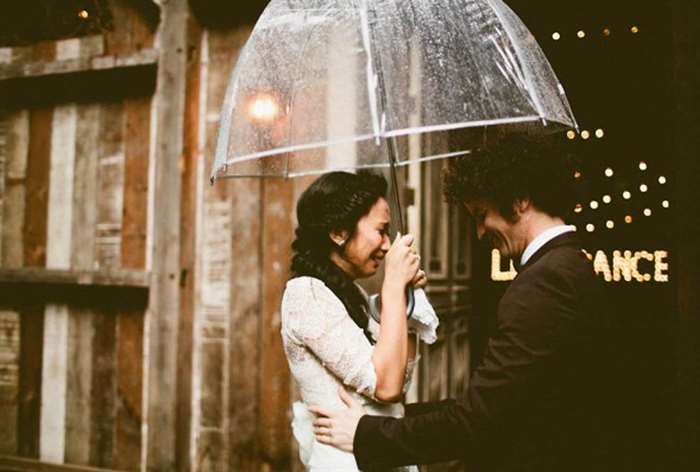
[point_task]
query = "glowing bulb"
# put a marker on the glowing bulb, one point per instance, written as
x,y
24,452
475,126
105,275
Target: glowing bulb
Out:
x,y
610,224
578,208
634,29
556,36
577,175
665,204
626,195
594,204
606,31
609,172
581,34
662,180
571,134
628,219
643,188
83,14
585,134
263,108
590,228
607,199
647,212
599,133
642,165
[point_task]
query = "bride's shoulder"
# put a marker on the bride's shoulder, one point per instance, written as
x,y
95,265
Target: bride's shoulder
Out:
x,y
308,287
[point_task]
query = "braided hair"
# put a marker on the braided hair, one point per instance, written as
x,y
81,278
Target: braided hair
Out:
x,y
334,202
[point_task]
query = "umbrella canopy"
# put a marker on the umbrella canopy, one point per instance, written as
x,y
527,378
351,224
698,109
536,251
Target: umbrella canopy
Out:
x,y
390,68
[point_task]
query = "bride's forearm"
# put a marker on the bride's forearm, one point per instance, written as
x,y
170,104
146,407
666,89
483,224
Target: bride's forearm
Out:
x,y
392,349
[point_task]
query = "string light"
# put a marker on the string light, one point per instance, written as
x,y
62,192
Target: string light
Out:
x,y
556,36
665,204
647,212
577,175
607,199
578,208
83,14
599,133
626,195
590,227
634,29
643,188
610,224
628,219
642,166
662,180
609,172
585,134
571,134
594,204
581,34
606,31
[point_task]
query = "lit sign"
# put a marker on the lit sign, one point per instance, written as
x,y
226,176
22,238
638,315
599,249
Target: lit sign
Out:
x,y
627,266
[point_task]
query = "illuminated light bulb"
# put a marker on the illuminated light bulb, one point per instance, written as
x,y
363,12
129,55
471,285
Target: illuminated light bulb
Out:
x,y
634,29
606,31
665,204
610,224
647,212
590,228
599,133
628,219
626,195
662,180
642,165
609,172
577,175
594,204
578,208
556,36
643,188
585,134
581,34
83,14
607,199
571,134
263,108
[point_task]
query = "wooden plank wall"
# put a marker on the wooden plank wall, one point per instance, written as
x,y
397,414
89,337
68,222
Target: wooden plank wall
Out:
x,y
74,195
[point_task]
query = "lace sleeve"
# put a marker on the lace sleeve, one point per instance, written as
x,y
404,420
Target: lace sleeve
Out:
x,y
319,320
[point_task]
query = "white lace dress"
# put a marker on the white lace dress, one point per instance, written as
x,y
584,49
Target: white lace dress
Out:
x,y
326,349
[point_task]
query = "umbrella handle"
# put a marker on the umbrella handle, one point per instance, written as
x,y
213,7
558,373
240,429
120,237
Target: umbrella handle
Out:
x,y
375,304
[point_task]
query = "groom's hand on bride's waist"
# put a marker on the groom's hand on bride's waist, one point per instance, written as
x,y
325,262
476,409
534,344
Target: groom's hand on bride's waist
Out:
x,y
337,427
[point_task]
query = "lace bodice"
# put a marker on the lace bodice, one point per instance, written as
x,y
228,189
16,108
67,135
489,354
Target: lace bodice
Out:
x,y
326,349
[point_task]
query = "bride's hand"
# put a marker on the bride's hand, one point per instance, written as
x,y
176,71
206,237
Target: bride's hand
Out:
x,y
420,280
401,262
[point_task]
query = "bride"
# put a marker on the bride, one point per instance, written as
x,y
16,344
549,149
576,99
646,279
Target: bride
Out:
x,y
329,340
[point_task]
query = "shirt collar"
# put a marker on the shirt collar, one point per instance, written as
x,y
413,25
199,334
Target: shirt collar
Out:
x,y
543,238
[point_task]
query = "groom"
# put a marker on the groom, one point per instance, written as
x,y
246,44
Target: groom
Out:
x,y
540,398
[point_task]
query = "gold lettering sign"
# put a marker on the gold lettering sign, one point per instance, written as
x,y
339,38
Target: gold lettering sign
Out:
x,y
627,266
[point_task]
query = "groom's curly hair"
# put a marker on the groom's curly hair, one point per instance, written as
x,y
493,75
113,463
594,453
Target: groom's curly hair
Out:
x,y
517,167
334,202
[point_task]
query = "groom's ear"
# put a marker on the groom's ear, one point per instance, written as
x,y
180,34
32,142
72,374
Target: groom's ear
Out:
x,y
521,206
339,237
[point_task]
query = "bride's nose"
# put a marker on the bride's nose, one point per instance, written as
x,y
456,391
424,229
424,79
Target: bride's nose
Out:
x,y
386,243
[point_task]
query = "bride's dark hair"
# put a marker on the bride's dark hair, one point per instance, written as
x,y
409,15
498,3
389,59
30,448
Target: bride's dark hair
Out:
x,y
334,202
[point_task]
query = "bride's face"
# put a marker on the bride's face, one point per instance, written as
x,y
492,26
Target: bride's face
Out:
x,y
364,252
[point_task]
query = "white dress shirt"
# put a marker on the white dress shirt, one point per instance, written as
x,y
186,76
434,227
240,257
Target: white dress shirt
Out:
x,y
543,238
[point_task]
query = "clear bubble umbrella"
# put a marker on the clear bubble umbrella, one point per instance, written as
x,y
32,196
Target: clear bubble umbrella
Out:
x,y
326,85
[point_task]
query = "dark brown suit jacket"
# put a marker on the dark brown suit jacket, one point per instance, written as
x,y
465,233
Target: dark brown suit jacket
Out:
x,y
537,401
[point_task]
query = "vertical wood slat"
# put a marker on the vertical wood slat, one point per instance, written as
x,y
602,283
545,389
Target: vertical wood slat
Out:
x,y
274,374
34,254
129,415
56,317
16,150
164,301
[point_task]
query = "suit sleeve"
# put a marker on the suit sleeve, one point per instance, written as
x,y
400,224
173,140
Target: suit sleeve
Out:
x,y
535,318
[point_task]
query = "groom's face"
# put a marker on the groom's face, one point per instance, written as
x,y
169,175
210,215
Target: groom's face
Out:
x,y
508,235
